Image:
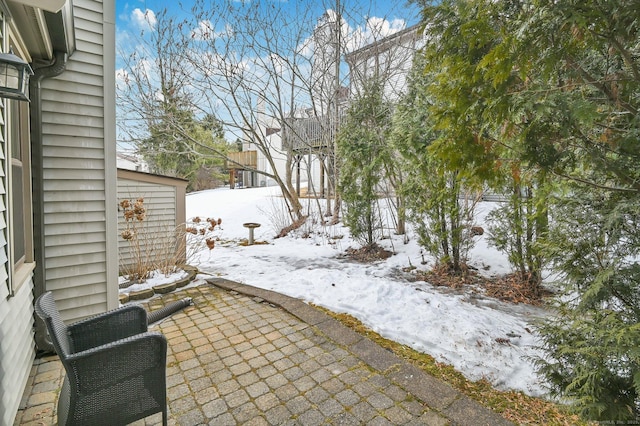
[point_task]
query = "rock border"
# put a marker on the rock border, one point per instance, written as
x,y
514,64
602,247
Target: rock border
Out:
x,y
161,288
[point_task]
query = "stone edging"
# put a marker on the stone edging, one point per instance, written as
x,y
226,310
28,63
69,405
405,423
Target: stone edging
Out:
x,y
161,288
437,394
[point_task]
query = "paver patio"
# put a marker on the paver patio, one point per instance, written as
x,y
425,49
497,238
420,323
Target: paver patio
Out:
x,y
246,356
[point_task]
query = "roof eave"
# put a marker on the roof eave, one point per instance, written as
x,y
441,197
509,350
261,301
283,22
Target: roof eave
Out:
x,y
44,31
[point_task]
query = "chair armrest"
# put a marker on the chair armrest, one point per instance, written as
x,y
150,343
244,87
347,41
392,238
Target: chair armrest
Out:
x,y
106,365
107,327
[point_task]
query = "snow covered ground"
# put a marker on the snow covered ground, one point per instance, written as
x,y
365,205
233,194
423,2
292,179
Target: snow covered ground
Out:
x,y
480,337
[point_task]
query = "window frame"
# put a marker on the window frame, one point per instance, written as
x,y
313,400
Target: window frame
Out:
x,y
18,178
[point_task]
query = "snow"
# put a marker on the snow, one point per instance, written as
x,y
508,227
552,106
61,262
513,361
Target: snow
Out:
x,y
457,327
156,278
479,336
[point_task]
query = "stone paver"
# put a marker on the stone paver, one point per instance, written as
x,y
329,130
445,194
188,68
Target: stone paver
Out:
x,y
247,356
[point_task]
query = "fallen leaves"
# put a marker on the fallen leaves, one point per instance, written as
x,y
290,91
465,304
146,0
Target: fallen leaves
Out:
x,y
512,288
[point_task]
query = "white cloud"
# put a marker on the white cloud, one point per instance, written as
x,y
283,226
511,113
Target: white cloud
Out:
x,y
137,71
206,31
144,20
373,30
379,27
122,79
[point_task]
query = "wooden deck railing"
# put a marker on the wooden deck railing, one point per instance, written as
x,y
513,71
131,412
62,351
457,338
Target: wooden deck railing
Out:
x,y
242,160
312,133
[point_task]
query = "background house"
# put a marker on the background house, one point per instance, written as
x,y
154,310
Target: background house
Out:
x,y
388,60
58,216
310,135
131,161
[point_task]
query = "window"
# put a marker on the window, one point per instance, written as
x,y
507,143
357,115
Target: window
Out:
x,y
18,194
20,177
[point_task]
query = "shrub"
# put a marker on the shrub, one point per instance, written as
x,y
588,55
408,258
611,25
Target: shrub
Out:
x,y
160,246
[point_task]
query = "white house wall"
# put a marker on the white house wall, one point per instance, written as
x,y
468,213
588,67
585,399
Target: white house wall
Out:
x,y
279,157
80,211
309,166
273,143
79,189
390,59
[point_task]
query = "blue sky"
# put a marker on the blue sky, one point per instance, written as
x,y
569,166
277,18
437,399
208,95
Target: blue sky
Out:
x,y
363,21
132,16
397,9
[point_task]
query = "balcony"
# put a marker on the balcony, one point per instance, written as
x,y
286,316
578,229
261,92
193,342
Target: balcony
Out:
x,y
244,160
302,135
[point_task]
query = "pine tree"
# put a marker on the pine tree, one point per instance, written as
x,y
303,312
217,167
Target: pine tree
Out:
x,y
433,189
593,345
554,86
181,145
362,153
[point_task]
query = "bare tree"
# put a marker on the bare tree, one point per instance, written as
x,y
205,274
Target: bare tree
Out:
x,y
155,101
252,65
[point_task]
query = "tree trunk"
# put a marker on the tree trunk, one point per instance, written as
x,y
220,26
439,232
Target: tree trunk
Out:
x,y
401,225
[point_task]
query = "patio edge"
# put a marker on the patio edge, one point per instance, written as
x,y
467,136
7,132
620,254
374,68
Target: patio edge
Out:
x,y
438,395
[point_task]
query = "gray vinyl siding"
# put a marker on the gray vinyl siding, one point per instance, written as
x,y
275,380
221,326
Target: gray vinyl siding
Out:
x,y
16,349
78,110
77,208
16,311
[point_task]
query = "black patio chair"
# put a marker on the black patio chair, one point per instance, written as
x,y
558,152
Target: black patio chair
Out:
x,y
116,369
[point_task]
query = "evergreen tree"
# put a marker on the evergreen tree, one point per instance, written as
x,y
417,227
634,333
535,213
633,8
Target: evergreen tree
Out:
x,y
473,107
363,151
181,145
555,86
434,191
593,344
519,227
591,109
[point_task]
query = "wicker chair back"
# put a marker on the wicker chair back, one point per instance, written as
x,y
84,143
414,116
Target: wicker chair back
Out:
x,y
115,368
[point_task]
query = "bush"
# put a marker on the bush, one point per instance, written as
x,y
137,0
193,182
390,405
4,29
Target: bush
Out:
x,y
159,246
